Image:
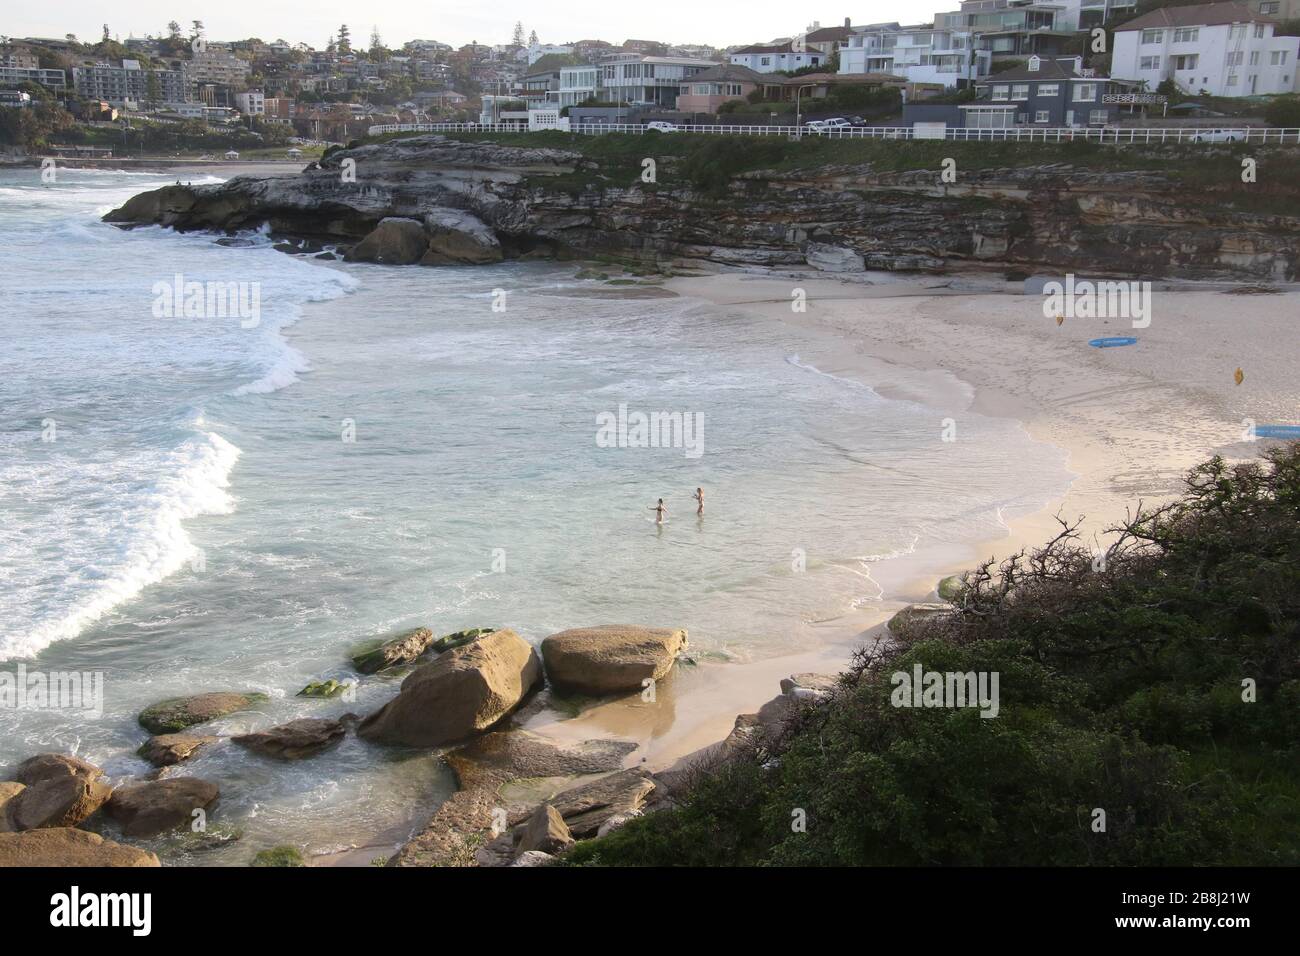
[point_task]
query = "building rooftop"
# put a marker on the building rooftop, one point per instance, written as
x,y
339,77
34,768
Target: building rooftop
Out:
x,y
1201,15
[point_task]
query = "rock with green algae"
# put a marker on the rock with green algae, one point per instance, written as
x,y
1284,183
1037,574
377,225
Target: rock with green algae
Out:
x,y
950,587
324,688
279,856
404,648
177,713
460,638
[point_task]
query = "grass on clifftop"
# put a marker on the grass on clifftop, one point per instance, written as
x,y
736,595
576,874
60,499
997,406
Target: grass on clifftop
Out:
x,y
1161,686
708,162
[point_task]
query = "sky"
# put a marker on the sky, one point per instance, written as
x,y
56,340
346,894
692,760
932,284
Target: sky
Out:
x,y
457,22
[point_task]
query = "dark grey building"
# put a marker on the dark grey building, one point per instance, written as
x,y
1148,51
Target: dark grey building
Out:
x,y
1055,92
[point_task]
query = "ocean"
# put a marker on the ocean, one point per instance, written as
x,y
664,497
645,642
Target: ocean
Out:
x,y
194,501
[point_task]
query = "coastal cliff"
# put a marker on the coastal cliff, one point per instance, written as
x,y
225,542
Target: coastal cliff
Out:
x,y
436,200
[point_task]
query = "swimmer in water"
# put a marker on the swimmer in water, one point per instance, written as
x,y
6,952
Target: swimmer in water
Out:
x,y
699,496
659,511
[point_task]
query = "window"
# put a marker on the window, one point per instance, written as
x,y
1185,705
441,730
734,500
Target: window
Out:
x,y
1187,35
765,61
1235,58
1254,58
1188,61
1085,92
1277,57
1149,63
1042,116
1097,117
1000,92
1267,8
1259,31
1020,91
1152,36
1049,89
1232,79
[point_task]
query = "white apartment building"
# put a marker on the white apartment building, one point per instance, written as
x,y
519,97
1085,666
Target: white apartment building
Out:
x,y
920,54
647,80
251,103
1222,48
538,50
770,57
216,64
128,85
578,84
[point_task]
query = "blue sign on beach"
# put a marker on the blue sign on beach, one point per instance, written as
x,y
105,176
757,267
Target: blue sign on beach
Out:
x,y
1113,341
1277,431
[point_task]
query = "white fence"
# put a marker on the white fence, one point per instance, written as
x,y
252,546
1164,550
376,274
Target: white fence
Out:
x,y
1016,134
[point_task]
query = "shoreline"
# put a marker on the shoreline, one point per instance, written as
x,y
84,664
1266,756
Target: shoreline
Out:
x,y
895,335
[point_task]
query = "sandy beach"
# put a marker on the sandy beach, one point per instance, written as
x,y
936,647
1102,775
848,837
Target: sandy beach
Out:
x,y
1131,421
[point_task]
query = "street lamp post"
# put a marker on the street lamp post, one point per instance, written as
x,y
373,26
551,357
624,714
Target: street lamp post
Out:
x,y
798,116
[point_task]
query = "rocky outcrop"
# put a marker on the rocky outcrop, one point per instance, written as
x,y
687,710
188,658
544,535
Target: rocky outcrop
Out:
x,y
545,830
68,848
166,750
460,693
295,740
54,790
9,790
448,201
177,713
610,658
405,648
152,807
906,622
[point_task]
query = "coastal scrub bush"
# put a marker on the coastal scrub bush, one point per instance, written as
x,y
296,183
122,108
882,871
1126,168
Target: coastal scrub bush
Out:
x,y
1157,682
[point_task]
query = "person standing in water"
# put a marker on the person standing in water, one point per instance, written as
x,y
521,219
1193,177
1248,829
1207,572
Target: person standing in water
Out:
x,y
659,511
699,496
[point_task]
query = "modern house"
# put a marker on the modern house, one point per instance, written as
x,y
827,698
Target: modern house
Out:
x,y
1011,29
706,92
129,84
640,79
578,84
1044,92
920,54
770,57
1225,49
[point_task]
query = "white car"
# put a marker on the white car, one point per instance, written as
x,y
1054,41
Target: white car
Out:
x,y
837,122
1219,136
663,127
816,126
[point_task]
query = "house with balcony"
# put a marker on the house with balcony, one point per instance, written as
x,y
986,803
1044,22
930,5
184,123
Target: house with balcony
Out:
x,y
1045,93
919,54
639,79
578,84
1012,29
1224,49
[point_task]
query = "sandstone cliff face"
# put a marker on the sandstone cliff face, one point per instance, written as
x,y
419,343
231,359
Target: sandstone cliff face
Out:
x,y
478,202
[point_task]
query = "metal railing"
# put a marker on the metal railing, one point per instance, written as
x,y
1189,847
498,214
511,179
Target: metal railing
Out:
x,y
1118,135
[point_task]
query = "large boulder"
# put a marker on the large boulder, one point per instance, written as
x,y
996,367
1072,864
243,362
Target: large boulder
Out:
x,y
545,830
395,241
457,237
68,847
56,790
460,693
504,755
9,791
177,713
829,258
401,649
611,658
296,739
907,621
164,750
152,807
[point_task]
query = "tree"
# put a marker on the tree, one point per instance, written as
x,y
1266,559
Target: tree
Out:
x,y
1284,112
532,38
345,40
519,34
173,30
196,29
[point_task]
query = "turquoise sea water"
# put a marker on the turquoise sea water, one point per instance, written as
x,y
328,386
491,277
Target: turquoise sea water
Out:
x,y
190,504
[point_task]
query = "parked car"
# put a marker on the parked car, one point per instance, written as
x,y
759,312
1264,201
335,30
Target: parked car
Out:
x,y
1219,136
816,126
663,127
837,122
